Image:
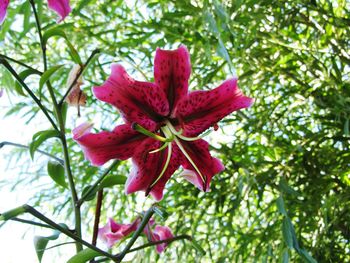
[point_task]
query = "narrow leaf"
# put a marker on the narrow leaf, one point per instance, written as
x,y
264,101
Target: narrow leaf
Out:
x,y
112,180
160,211
91,195
56,172
46,76
84,256
23,75
280,206
39,138
306,256
197,247
287,232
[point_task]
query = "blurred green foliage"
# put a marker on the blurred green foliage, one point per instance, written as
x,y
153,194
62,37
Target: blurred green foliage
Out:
x,y
284,195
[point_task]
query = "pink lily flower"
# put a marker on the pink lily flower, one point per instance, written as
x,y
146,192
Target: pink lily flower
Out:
x,y
163,124
112,232
161,233
61,7
3,9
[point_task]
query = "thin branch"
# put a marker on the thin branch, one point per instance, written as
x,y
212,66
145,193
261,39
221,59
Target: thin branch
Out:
x,y
31,94
168,241
29,222
58,245
95,185
43,47
136,234
97,218
21,63
96,51
2,144
31,210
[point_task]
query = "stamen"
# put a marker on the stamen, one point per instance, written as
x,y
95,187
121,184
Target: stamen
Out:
x,y
165,165
139,128
191,162
172,129
161,148
179,133
191,139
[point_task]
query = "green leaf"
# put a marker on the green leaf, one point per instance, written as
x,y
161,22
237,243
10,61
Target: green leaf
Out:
x,y
111,180
222,52
197,247
60,33
208,17
287,232
12,213
346,128
285,256
64,110
56,172
91,195
84,256
306,256
160,211
39,138
280,206
284,187
23,75
53,32
40,242
46,76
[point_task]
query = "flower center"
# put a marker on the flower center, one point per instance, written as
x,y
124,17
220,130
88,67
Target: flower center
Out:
x,y
171,135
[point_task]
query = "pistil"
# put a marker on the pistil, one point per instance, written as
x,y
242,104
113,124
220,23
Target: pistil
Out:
x,y
171,134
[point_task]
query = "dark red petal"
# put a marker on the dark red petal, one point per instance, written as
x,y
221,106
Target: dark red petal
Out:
x,y
203,109
148,166
61,7
162,233
207,165
172,69
3,9
141,102
104,146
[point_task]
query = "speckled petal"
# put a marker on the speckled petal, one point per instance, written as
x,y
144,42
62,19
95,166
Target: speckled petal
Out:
x,y
148,166
61,7
140,102
207,165
3,9
104,146
203,109
172,69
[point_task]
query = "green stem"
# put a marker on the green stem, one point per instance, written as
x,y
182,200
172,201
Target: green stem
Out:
x,y
136,234
29,222
95,185
31,210
20,63
96,51
2,144
43,47
31,94
57,110
74,195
